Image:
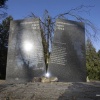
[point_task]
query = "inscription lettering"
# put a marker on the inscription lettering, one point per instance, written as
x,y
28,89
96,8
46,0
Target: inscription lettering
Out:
x,y
58,54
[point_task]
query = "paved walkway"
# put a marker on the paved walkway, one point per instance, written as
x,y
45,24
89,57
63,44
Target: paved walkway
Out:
x,y
50,91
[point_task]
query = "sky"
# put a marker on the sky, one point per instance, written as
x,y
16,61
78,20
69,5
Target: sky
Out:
x,y
20,9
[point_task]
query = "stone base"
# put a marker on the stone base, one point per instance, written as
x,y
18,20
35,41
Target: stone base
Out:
x,y
45,79
49,79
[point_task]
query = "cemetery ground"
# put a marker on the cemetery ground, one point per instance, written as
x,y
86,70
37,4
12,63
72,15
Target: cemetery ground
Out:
x,y
50,91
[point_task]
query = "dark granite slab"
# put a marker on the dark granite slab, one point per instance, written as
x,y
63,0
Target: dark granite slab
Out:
x,y
25,52
67,59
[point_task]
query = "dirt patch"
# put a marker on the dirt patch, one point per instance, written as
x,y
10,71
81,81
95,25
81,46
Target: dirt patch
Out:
x,y
2,81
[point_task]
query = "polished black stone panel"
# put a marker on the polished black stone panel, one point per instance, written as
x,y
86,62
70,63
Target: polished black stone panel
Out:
x,y
25,51
67,59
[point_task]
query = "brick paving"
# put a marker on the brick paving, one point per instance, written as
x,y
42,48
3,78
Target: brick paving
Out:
x,y
50,91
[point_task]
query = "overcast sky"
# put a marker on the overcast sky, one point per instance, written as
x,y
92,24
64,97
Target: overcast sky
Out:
x,y
20,9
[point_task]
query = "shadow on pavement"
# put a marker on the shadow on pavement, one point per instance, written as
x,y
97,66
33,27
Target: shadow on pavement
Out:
x,y
82,91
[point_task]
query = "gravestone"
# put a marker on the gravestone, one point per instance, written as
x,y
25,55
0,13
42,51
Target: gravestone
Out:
x,y
67,59
25,51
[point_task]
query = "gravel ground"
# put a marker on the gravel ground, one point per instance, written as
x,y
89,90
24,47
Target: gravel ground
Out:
x,y
50,91
2,81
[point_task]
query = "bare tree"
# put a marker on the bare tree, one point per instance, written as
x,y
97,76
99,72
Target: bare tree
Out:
x,y
48,23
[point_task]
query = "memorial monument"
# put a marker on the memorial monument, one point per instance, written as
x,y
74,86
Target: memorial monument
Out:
x,y
67,60
26,55
25,51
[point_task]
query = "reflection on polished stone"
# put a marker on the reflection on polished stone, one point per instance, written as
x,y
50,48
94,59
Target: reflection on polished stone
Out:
x,y
25,51
28,46
47,74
